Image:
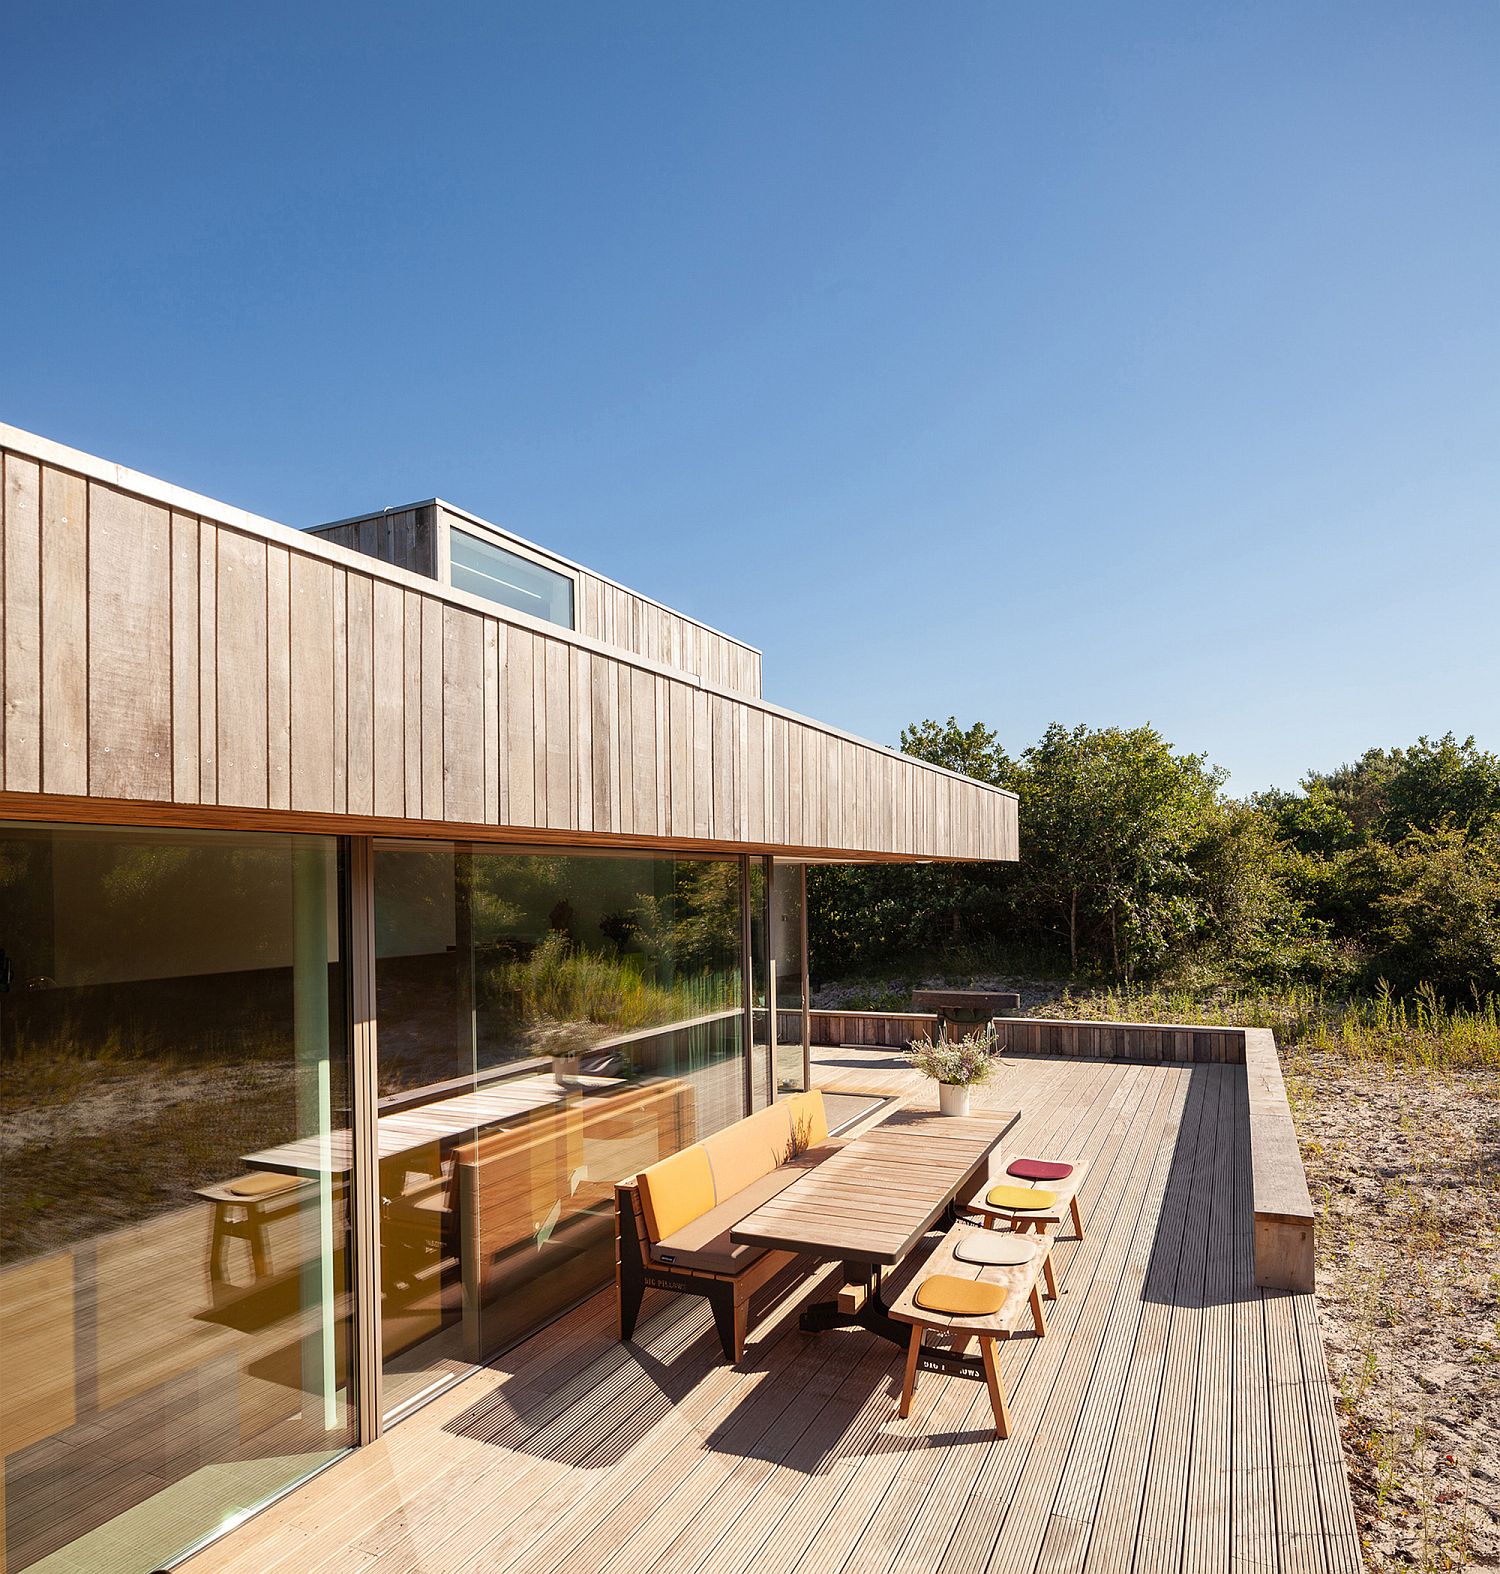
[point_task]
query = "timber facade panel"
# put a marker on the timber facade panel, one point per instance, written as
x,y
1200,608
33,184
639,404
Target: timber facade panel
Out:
x,y
161,655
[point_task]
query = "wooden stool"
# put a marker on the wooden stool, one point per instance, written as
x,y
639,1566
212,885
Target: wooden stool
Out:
x,y
1015,1208
242,1210
969,1300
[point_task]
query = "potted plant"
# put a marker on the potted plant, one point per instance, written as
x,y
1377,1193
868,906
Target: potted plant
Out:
x,y
956,1065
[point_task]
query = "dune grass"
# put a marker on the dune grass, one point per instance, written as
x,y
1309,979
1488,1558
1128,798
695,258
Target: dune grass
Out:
x,y
559,982
1419,1031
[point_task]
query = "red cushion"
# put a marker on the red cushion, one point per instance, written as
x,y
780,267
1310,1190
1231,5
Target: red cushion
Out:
x,y
1039,1170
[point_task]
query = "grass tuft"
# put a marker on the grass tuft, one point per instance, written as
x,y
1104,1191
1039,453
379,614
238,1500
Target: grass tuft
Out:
x,y
1420,1031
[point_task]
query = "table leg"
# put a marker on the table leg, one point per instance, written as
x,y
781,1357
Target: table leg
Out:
x,y
871,1314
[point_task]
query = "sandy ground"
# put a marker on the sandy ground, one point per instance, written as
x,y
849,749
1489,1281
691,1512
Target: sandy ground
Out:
x,y
1404,1167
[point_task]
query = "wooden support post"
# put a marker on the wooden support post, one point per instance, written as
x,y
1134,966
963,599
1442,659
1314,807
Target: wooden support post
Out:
x,y
310,888
365,1197
852,1297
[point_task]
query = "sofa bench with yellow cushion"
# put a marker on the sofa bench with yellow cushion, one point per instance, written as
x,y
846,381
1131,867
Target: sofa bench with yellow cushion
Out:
x,y
673,1219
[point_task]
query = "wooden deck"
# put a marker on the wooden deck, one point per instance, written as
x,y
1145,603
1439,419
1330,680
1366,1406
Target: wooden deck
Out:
x,y
1175,1418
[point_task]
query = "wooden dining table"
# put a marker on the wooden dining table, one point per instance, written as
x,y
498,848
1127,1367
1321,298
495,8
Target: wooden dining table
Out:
x,y
869,1205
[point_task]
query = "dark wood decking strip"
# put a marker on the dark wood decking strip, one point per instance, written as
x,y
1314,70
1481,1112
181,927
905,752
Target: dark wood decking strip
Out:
x,y
1050,1412
1033,1483
1175,1418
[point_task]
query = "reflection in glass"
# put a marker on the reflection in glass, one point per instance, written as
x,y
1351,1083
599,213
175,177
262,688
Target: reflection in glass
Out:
x,y
174,1296
787,948
761,1083
548,1024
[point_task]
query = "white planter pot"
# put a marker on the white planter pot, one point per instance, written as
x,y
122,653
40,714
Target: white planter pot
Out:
x,y
953,1099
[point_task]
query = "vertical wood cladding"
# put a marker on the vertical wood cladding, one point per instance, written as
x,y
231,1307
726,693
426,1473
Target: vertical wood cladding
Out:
x,y
160,656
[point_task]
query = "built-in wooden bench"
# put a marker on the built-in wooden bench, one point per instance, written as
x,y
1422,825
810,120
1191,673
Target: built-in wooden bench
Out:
x,y
1282,1204
673,1219
1022,1289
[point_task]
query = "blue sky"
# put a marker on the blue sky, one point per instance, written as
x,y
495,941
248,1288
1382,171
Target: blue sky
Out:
x,y
1094,363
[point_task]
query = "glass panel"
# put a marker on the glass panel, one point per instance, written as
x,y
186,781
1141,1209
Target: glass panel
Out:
x,y
760,1019
786,947
548,1025
174,1295
484,569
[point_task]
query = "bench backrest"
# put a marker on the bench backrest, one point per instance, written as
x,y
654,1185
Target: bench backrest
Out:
x,y
685,1186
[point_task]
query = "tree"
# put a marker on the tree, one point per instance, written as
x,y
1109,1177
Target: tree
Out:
x,y
971,751
1388,793
1442,914
1313,821
1134,863
1112,821
1433,783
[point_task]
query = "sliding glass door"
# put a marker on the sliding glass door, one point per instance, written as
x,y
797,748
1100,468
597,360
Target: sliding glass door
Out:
x,y
547,1024
177,1160
174,1184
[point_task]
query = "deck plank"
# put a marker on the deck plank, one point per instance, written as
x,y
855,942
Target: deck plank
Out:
x,y
955,1505
1020,1491
1063,1484
1117,1521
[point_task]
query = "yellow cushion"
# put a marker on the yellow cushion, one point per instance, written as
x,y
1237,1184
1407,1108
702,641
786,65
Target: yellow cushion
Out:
x,y
747,1150
774,1122
960,1297
1021,1199
261,1185
809,1118
676,1191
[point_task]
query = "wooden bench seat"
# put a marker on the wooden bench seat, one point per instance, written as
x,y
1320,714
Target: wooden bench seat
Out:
x,y
1023,1286
705,1243
673,1219
1064,1193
